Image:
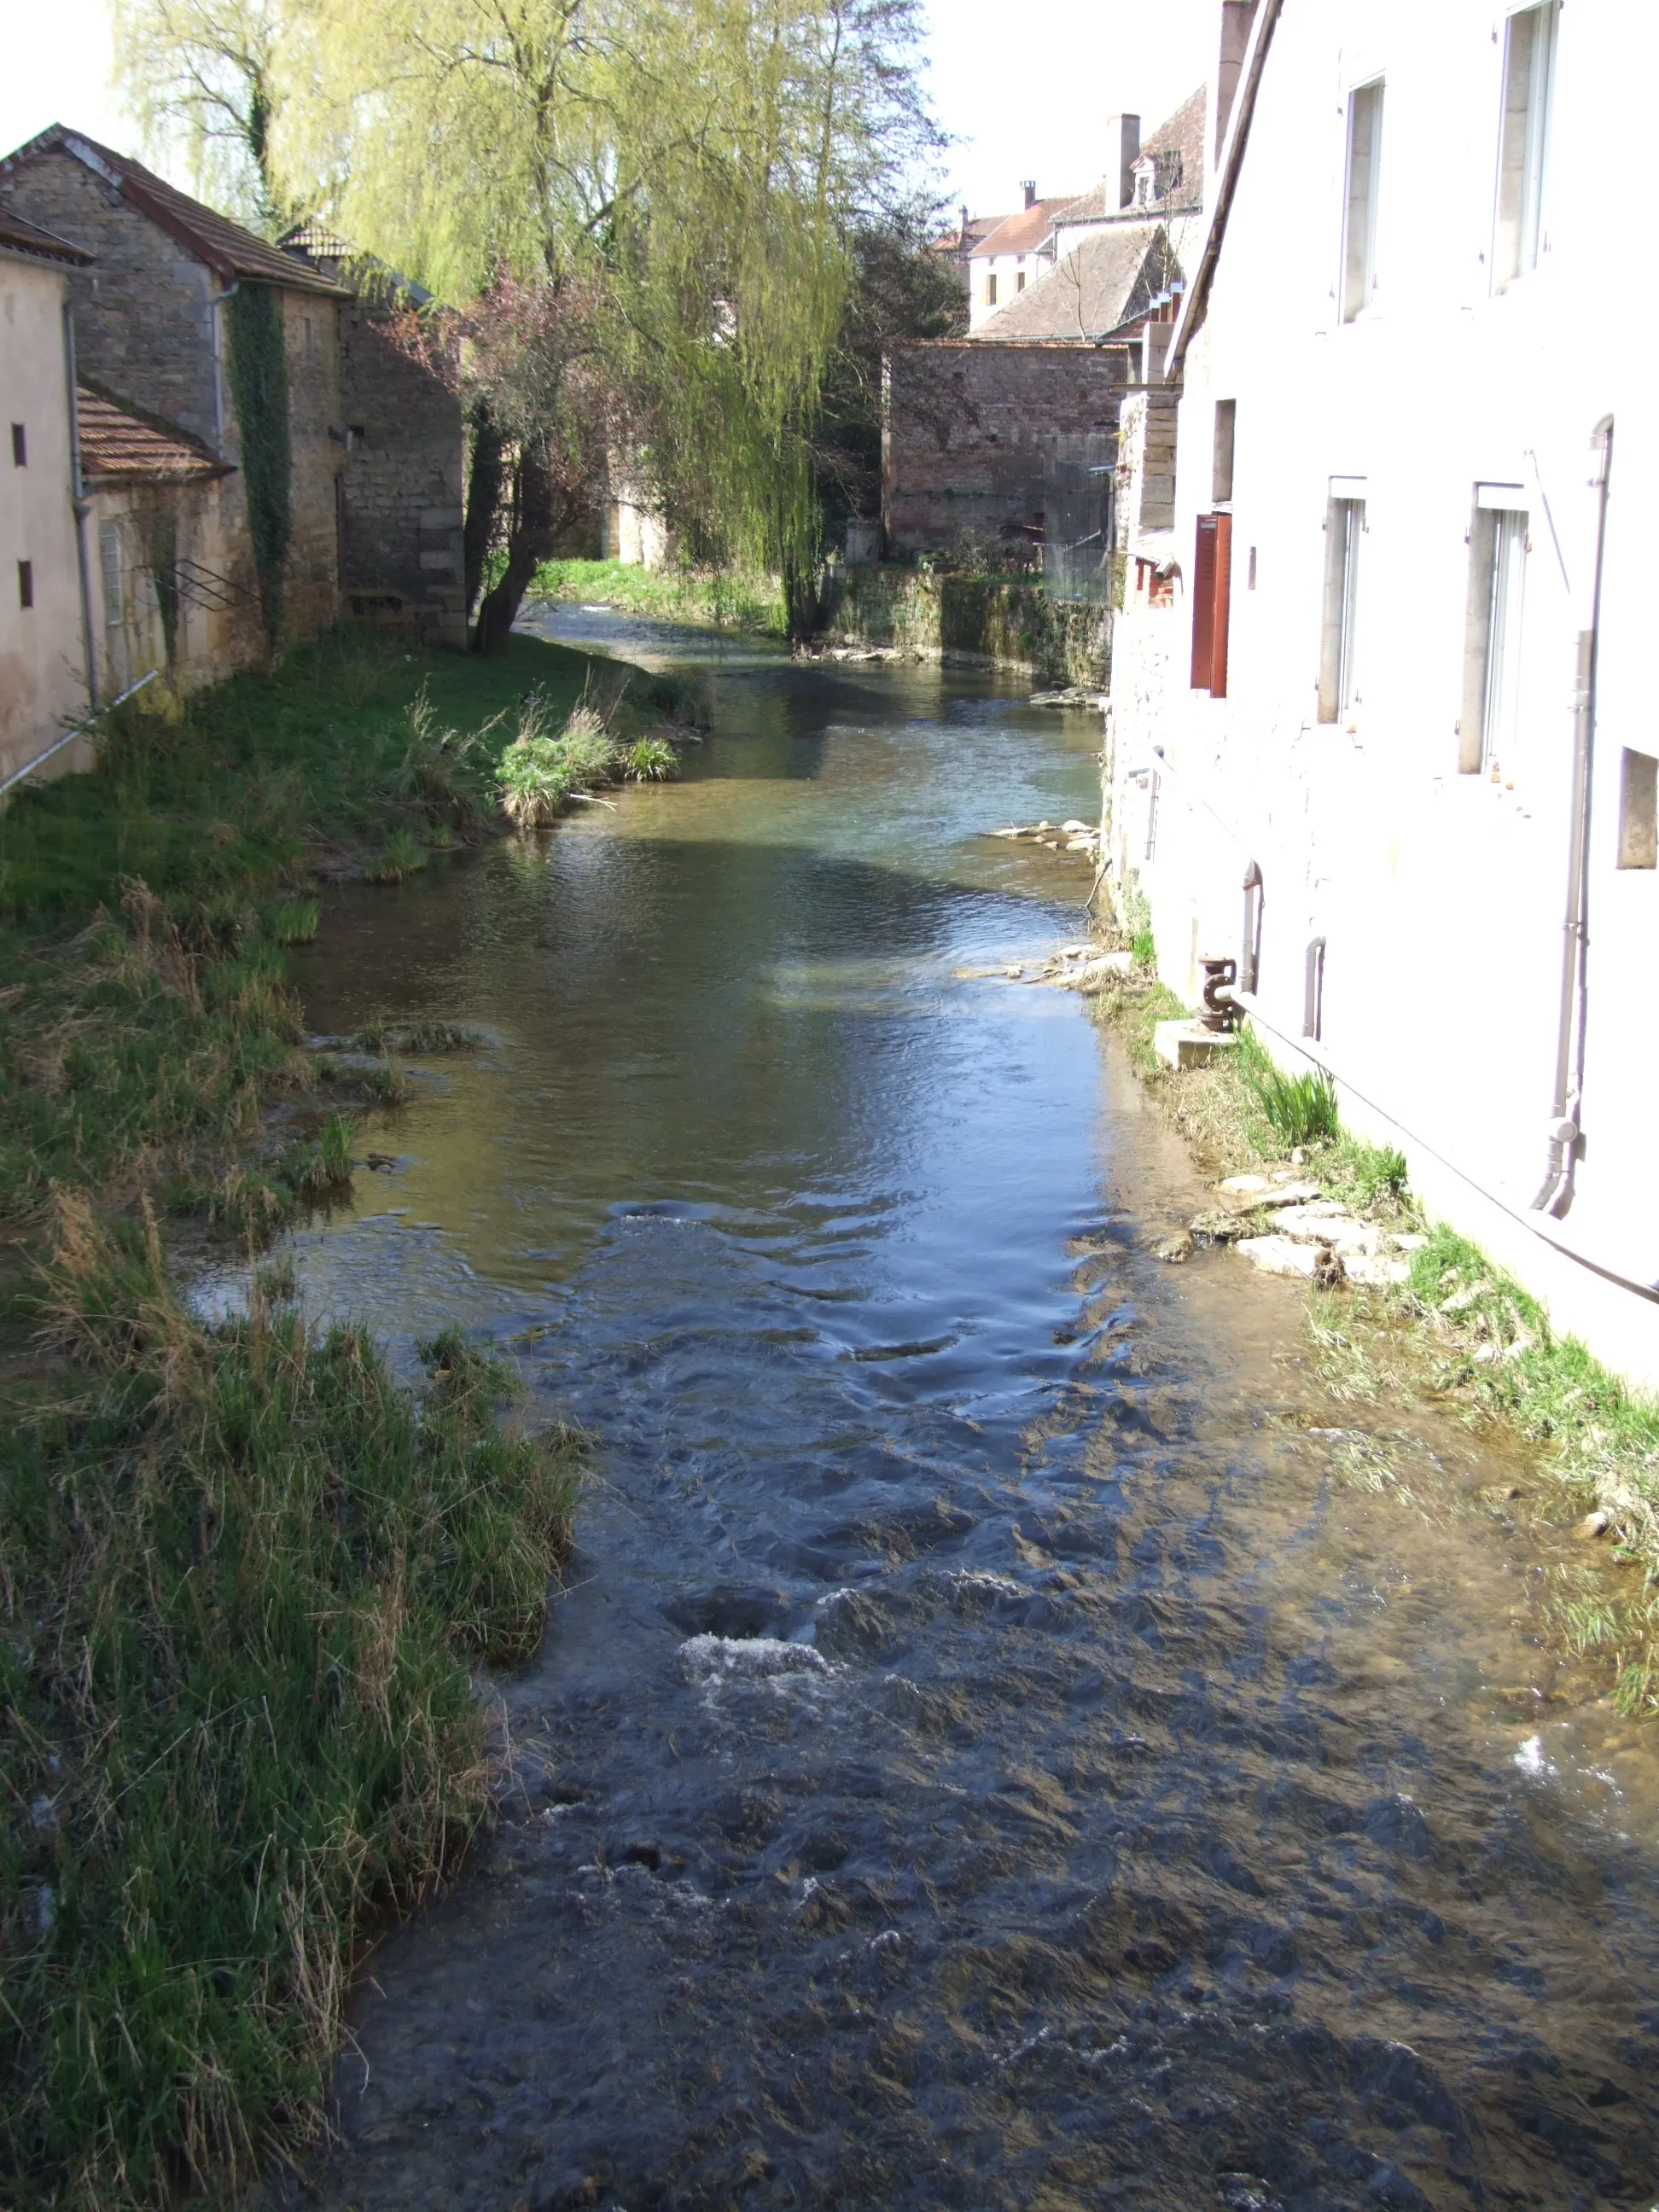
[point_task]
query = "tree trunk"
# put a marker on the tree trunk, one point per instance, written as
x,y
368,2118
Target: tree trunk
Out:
x,y
530,542
803,600
483,499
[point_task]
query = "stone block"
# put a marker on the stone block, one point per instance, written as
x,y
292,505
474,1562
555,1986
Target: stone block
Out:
x,y
1189,1044
442,518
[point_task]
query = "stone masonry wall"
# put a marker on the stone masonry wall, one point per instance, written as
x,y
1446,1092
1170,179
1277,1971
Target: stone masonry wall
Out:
x,y
402,551
968,429
317,444
1001,620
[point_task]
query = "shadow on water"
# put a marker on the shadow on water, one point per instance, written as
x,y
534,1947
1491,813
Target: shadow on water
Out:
x,y
1008,1739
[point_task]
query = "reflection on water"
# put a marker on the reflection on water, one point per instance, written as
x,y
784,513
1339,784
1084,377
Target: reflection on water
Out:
x,y
1009,1740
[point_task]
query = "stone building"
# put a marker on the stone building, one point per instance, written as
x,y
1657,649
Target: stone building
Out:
x,y
402,490
1383,653
44,687
971,435
149,310
155,535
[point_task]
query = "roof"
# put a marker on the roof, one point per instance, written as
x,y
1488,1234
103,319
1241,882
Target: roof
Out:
x,y
17,236
309,243
121,443
1109,276
1024,231
1182,136
225,247
966,238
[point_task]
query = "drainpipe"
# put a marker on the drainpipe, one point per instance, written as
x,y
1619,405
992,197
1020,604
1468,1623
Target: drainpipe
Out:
x,y
79,507
216,300
1555,1192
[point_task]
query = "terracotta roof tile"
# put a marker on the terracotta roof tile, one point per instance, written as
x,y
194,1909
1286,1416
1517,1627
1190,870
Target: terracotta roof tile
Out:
x,y
1024,231
119,443
21,237
223,244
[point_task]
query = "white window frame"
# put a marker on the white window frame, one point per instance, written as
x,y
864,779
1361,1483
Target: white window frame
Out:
x,y
1498,547
1519,240
1345,528
1356,274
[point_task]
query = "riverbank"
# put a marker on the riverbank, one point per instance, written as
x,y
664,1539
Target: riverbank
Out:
x,y
1453,1331
1002,621
245,1577
710,598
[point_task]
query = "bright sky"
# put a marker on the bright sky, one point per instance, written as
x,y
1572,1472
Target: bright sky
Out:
x,y
1022,90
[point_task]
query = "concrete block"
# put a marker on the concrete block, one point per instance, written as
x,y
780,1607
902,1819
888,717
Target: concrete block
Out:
x,y
1189,1044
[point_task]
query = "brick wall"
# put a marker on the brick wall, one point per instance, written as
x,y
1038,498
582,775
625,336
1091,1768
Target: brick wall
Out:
x,y
968,428
401,554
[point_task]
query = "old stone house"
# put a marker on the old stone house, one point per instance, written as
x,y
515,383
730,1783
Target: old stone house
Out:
x,y
44,685
154,525
1382,716
402,487
153,314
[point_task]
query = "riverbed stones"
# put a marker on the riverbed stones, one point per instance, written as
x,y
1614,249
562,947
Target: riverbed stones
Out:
x,y
1176,1249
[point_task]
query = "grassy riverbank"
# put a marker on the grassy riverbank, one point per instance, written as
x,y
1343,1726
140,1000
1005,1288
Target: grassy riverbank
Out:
x,y
244,1578
723,601
1459,1333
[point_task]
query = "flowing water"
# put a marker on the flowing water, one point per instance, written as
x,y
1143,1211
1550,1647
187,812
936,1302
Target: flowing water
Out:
x,y
1009,1738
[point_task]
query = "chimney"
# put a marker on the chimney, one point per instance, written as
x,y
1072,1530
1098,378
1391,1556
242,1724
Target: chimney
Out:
x,y
1238,18
1123,146
1028,186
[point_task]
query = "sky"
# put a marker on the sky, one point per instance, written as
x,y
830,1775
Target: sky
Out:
x,y
1021,91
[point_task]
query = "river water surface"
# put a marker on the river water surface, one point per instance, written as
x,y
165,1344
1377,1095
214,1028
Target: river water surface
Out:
x,y
1009,1739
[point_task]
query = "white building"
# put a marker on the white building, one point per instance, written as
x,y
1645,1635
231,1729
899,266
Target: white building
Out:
x,y
43,604
1386,618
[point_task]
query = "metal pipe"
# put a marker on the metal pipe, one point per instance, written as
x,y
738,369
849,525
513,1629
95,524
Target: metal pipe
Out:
x,y
70,736
1555,1192
78,507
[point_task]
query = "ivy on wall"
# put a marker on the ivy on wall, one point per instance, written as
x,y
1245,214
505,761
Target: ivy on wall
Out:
x,y
258,384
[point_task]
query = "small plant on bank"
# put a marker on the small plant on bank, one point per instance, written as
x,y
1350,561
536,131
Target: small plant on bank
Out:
x,y
650,760
296,920
539,773
401,856
1144,945
1301,1110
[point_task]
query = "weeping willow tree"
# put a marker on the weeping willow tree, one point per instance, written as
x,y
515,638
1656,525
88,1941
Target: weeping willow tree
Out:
x,y
694,169
199,78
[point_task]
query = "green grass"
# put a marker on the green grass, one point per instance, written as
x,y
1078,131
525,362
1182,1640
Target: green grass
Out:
x,y
244,1576
725,602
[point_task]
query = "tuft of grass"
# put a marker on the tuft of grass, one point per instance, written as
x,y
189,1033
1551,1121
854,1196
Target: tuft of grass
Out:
x,y
295,920
649,760
401,856
539,773
1144,945
1300,1109
243,1577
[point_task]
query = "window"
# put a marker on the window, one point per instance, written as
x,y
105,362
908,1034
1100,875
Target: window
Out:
x,y
1221,471
20,447
1523,142
1359,211
1638,811
1213,578
311,339
991,289
1492,651
1339,658
109,558
26,583
1019,281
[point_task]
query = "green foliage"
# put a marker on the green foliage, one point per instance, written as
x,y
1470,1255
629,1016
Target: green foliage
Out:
x,y
258,384
1301,1110
295,920
649,760
243,1579
401,856
538,773
1375,1174
1144,945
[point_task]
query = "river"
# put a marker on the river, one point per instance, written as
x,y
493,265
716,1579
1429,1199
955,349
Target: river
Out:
x,y
1010,1737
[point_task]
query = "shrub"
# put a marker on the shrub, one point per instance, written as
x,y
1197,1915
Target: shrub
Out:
x,y
538,773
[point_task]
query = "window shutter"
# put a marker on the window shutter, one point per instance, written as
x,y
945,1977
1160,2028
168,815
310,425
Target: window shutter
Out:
x,y
1221,604
1203,597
